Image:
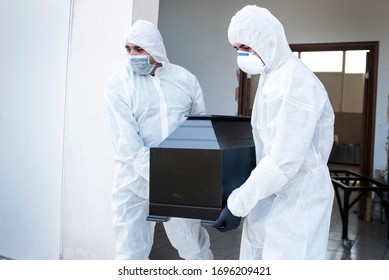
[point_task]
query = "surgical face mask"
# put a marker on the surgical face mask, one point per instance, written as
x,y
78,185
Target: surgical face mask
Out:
x,y
249,62
140,64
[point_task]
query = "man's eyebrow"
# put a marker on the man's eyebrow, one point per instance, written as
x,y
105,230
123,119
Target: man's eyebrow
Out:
x,y
240,46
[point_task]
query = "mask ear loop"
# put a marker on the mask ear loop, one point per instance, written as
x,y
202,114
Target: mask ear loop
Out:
x,y
255,53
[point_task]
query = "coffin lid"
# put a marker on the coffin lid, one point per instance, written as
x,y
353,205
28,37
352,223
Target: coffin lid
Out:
x,y
211,132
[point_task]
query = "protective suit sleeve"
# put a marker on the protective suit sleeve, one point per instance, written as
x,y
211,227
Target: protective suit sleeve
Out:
x,y
124,129
198,106
295,126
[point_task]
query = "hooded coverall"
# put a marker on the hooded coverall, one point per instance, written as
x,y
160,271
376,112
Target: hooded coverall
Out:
x,y
287,200
142,110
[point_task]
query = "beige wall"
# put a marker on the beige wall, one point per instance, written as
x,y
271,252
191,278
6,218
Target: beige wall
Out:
x,y
346,92
349,128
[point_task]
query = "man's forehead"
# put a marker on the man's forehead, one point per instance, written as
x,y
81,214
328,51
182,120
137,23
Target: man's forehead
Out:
x,y
130,46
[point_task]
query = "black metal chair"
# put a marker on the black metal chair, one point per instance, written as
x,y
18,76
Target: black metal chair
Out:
x,y
350,181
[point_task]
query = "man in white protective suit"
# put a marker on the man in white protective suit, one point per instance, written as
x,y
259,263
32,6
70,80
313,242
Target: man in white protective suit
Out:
x,y
287,200
146,101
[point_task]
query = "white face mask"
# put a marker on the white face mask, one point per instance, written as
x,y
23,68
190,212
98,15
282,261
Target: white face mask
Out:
x,y
249,62
140,64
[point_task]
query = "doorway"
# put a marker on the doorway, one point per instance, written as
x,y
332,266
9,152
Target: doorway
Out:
x,y
359,152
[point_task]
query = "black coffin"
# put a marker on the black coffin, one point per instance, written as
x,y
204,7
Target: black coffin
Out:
x,y
193,171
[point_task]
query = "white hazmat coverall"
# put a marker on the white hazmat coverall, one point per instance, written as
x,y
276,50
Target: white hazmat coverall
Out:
x,y
142,111
287,200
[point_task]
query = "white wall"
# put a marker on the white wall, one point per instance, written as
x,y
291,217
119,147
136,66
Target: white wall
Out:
x,y
195,34
96,52
147,10
96,42
33,55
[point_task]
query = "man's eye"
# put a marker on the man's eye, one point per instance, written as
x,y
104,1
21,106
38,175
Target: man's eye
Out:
x,y
139,49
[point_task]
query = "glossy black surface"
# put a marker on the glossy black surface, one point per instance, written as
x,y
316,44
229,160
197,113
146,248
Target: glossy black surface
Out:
x,y
193,171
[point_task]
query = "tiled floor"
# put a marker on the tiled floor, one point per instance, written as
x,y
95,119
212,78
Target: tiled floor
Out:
x,y
370,240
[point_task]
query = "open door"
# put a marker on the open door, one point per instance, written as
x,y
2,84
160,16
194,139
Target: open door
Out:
x,y
248,85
